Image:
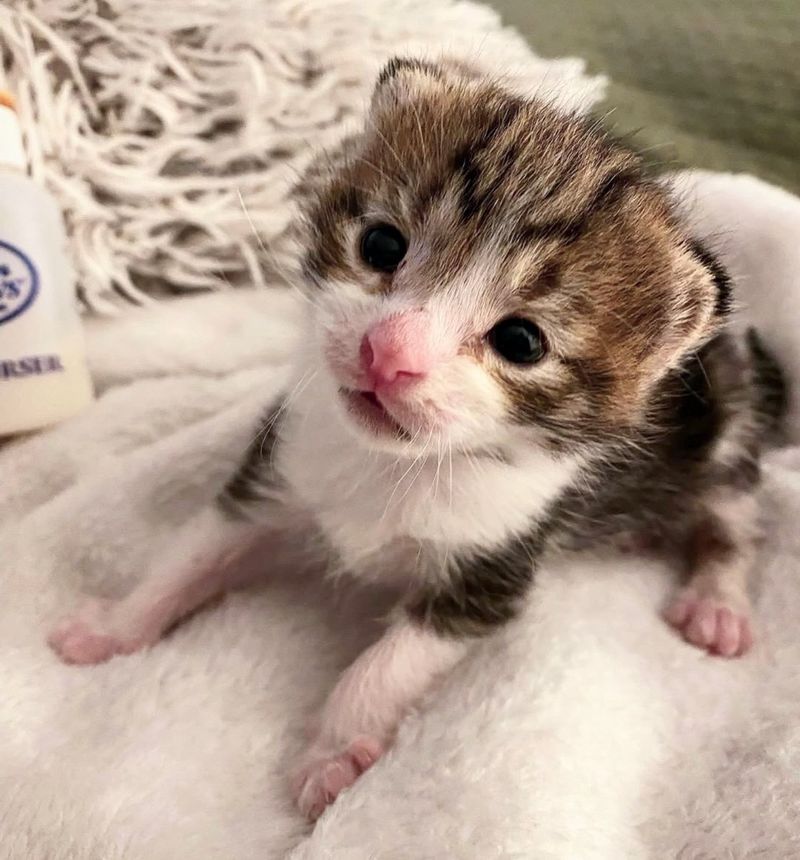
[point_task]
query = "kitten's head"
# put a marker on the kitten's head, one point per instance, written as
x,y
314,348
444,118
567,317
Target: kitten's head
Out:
x,y
486,270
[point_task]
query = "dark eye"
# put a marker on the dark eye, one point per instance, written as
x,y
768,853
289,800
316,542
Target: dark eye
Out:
x,y
383,247
517,340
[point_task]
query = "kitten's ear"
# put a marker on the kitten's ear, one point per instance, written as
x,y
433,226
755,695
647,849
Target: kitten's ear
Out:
x,y
699,305
722,282
404,79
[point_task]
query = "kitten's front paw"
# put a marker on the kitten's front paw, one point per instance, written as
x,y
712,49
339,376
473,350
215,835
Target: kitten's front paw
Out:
x,y
712,620
88,636
322,776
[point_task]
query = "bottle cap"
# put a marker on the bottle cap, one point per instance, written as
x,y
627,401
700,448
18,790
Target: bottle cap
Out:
x,y
12,150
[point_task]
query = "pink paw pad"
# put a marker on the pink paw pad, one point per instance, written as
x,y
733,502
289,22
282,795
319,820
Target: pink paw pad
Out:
x,y
712,623
317,784
85,638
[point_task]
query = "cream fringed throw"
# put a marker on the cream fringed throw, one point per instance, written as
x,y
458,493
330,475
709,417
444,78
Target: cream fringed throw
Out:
x,y
165,126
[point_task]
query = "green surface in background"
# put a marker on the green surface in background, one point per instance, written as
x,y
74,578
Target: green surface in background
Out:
x,y
711,83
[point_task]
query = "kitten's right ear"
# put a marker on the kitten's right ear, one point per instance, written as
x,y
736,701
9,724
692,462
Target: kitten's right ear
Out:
x,y
400,69
404,79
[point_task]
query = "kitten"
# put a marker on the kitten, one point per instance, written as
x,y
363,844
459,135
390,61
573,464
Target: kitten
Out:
x,y
512,347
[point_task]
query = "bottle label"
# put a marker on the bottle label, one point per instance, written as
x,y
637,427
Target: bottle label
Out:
x,y
19,282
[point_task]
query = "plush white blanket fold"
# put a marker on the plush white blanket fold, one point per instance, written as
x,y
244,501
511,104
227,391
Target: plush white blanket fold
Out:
x,y
585,730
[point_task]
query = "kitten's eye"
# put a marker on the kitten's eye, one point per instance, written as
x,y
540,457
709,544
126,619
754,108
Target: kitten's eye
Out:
x,y
517,340
383,247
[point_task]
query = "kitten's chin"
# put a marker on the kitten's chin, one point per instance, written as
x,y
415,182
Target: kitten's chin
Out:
x,y
370,418
368,413
374,424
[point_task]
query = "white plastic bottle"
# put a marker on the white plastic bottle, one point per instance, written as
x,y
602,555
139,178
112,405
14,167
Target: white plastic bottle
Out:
x,y
43,372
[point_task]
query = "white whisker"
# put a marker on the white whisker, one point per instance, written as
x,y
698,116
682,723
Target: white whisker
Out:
x,y
305,381
397,484
422,460
271,257
450,458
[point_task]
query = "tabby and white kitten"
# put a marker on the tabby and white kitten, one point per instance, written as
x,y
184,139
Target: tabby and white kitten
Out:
x,y
505,308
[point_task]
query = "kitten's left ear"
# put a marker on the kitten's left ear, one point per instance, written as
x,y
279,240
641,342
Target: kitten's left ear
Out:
x,y
699,303
722,282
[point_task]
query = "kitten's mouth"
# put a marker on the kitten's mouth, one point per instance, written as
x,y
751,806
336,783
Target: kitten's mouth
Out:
x,y
368,411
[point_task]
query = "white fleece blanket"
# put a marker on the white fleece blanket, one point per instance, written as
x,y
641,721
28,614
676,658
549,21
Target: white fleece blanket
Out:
x,y
585,730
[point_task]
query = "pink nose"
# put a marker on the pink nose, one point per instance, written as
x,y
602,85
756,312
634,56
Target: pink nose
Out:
x,y
397,349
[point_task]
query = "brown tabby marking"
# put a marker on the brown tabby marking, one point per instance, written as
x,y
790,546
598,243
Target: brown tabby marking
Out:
x,y
569,229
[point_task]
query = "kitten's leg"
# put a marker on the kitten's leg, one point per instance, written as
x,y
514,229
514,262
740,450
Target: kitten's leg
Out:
x,y
361,715
713,610
203,560
476,593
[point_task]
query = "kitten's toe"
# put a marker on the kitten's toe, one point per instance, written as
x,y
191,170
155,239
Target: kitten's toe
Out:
x,y
88,637
320,780
714,622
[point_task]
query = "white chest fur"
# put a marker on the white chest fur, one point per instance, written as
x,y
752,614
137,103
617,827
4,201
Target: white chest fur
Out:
x,y
366,499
